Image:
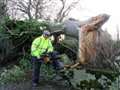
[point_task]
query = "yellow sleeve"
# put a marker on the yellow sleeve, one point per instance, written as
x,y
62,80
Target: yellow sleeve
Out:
x,y
35,47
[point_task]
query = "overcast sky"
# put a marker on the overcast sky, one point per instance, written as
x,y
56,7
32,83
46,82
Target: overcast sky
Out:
x,y
90,8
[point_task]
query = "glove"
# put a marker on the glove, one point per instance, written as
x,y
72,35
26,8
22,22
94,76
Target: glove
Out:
x,y
46,59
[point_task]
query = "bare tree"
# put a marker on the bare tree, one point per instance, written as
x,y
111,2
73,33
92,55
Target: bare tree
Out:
x,y
43,9
3,9
32,9
25,7
65,9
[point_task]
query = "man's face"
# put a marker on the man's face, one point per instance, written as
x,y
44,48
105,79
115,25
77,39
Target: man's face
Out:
x,y
46,36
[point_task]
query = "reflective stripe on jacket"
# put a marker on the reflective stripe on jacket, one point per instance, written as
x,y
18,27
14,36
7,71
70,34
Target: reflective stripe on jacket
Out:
x,y
40,45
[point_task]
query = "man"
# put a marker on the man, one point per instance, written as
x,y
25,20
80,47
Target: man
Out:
x,y
40,46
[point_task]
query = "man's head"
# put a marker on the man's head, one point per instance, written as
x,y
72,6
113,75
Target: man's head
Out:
x,y
46,34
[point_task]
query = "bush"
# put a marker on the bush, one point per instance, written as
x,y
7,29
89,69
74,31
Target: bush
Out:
x,y
25,64
11,75
16,73
16,37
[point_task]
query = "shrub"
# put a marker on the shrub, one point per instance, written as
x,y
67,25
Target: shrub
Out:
x,y
16,37
11,75
25,63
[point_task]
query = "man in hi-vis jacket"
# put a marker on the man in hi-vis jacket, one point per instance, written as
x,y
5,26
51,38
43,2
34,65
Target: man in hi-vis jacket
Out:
x,y
40,46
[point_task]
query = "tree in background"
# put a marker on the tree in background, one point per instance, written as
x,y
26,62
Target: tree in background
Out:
x,y
3,9
55,10
65,9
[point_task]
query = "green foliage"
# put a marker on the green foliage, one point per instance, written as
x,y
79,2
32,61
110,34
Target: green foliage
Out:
x,y
47,71
25,63
16,73
6,46
110,75
11,75
65,59
16,37
103,80
88,85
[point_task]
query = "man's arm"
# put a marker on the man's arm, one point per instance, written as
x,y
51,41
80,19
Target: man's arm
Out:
x,y
35,47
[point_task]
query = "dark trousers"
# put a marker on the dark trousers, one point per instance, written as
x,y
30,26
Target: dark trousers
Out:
x,y
36,63
36,69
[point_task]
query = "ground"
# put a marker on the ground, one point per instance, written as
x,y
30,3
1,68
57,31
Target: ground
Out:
x,y
27,85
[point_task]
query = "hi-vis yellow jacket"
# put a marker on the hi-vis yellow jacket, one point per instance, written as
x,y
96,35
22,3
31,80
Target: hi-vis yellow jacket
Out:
x,y
41,45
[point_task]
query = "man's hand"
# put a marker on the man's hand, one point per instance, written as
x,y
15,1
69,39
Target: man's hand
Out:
x,y
38,57
46,59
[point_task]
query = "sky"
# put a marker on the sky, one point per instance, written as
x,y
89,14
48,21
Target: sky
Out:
x,y
89,8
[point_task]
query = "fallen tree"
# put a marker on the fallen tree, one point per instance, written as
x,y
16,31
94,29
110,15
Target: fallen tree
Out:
x,y
93,45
